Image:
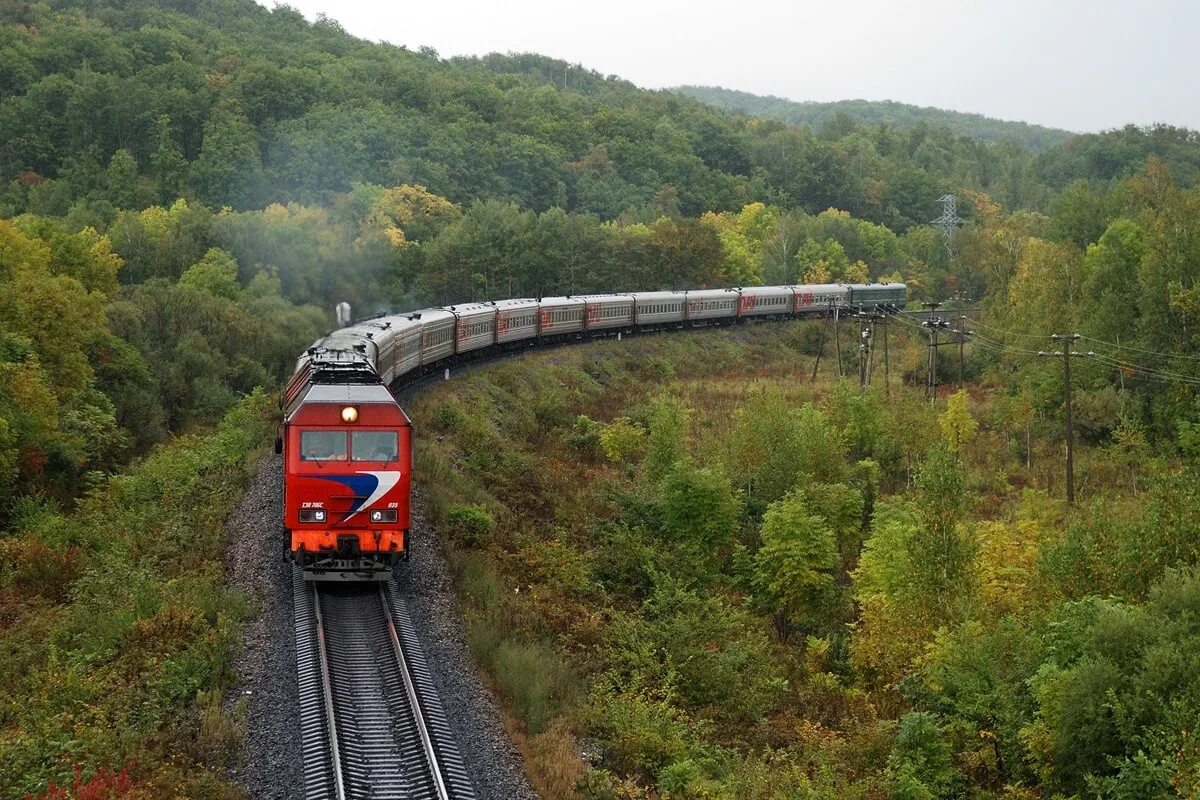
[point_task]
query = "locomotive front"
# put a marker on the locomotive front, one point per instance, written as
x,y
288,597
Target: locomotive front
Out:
x,y
347,463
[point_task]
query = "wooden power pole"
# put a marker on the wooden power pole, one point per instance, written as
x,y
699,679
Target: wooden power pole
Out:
x,y
1065,354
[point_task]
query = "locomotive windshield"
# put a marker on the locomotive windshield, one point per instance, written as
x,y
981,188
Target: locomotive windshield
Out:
x,y
374,446
363,446
322,445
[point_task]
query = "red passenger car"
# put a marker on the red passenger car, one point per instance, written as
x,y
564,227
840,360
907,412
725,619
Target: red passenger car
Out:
x,y
348,469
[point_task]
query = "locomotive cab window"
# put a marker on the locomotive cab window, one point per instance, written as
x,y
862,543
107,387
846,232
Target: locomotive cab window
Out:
x,y
374,446
322,445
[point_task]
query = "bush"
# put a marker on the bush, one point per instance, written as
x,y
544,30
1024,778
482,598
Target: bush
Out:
x,y
584,435
535,680
469,525
640,733
622,441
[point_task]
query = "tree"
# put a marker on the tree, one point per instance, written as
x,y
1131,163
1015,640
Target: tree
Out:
x,y
216,273
699,508
228,170
958,426
921,766
668,427
793,569
122,179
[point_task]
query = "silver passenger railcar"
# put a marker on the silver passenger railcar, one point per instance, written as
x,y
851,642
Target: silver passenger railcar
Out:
x,y
608,311
399,341
712,304
820,298
765,301
661,308
475,326
561,315
516,320
438,327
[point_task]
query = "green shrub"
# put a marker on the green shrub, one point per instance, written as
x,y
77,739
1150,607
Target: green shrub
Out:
x,y
622,441
469,525
641,733
584,435
535,680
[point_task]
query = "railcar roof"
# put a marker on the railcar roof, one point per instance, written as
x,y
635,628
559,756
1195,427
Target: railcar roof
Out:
x,y
599,298
563,301
766,290
427,315
820,287
471,308
711,294
658,295
516,302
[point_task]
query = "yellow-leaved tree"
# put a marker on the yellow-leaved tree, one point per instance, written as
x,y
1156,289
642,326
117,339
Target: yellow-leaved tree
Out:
x,y
958,426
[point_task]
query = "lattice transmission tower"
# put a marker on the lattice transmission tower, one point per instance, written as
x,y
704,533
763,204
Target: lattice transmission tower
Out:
x,y
948,221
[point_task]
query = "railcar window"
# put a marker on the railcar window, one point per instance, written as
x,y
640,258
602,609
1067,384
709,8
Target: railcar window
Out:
x,y
322,445
373,446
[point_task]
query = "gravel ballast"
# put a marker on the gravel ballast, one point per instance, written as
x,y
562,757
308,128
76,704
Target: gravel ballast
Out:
x,y
266,668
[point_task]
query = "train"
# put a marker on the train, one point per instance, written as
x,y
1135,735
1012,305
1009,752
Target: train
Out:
x,y
347,444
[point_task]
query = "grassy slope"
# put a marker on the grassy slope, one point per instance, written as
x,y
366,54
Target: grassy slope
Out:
x,y
901,115
539,598
117,630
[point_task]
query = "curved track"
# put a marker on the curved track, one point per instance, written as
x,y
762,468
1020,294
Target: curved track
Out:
x,y
371,722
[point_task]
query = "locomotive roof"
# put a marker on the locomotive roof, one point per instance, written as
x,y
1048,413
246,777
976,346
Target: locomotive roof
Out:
x,y
343,393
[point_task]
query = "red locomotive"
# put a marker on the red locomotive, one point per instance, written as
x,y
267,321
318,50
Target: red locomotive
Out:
x,y
348,468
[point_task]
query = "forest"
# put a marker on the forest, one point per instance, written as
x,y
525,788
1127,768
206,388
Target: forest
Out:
x,y
186,188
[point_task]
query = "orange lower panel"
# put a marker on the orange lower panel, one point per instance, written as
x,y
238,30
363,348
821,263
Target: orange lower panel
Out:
x,y
369,541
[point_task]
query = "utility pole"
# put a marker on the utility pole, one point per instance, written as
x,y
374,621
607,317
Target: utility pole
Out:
x,y
837,340
887,371
962,339
932,324
864,349
820,346
1065,354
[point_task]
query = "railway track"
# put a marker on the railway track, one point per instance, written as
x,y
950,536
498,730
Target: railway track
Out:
x,y
371,723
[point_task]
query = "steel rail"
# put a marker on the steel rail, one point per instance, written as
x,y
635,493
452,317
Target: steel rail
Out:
x,y
410,689
339,785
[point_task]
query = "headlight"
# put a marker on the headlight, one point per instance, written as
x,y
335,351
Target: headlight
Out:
x,y
383,515
312,515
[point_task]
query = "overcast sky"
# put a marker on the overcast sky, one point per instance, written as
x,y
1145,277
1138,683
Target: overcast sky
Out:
x,y
1084,66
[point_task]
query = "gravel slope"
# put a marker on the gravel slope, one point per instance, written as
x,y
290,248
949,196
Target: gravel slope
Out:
x,y
266,668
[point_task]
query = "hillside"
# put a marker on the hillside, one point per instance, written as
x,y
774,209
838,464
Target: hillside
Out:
x,y
126,105
720,578
881,112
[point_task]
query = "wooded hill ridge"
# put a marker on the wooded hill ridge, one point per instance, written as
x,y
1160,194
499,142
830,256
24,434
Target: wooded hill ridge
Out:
x,y
878,112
